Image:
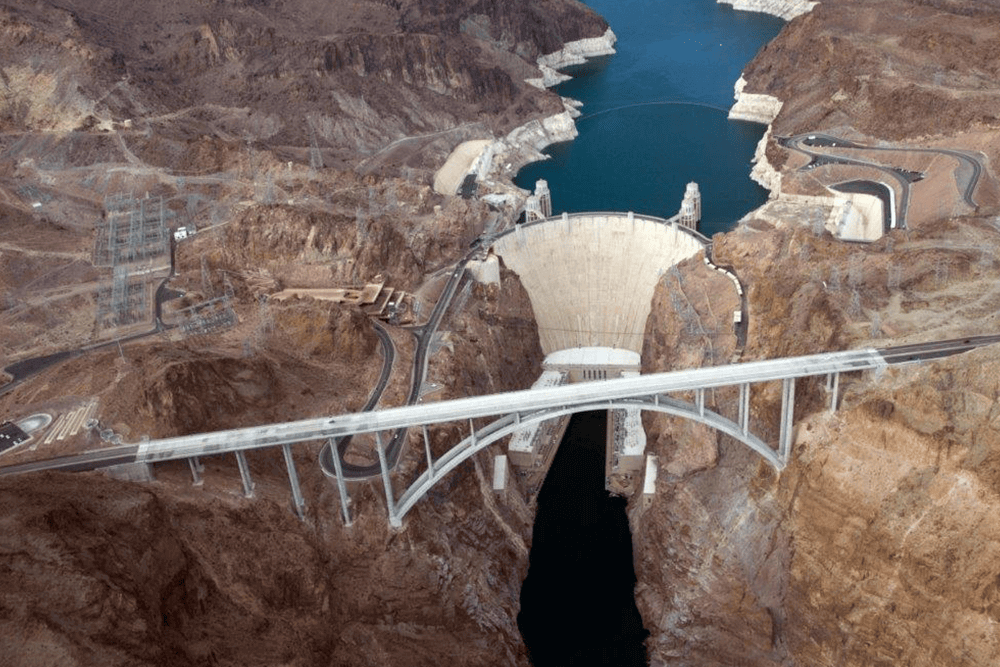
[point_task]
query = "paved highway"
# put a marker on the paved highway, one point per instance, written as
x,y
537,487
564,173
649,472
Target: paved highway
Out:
x,y
801,143
424,335
523,402
795,143
341,444
966,158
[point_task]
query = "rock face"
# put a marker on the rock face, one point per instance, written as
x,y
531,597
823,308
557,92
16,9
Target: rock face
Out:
x,y
922,71
882,527
102,572
753,107
298,138
786,9
352,77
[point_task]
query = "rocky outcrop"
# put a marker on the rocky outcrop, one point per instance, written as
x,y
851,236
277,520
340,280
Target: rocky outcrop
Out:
x,y
857,64
754,107
97,571
884,525
573,53
762,172
786,9
526,143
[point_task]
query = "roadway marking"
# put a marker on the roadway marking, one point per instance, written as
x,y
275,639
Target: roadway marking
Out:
x,y
56,427
83,415
67,424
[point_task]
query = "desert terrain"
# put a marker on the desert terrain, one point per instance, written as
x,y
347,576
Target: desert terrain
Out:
x,y
296,143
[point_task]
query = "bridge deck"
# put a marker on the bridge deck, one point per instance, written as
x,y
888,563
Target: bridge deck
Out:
x,y
526,401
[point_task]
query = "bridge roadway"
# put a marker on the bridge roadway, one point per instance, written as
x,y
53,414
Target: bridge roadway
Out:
x,y
522,404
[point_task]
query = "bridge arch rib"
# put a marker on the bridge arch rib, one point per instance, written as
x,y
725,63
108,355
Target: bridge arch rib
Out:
x,y
508,424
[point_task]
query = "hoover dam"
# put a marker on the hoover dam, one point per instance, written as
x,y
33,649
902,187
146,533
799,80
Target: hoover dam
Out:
x,y
591,276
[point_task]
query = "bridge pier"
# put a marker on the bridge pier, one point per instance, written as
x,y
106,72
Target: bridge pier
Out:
x,y
248,485
293,479
390,502
427,450
787,413
744,415
196,469
833,386
345,509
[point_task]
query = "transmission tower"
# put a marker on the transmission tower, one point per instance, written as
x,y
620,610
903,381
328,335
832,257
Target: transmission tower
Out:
x,y
315,155
855,271
895,277
206,279
834,283
876,329
855,309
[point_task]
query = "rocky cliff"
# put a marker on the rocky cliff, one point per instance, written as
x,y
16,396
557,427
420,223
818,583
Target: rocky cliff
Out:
x,y
879,532
298,138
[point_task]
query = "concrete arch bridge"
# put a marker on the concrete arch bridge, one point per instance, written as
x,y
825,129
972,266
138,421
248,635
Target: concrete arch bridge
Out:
x,y
670,393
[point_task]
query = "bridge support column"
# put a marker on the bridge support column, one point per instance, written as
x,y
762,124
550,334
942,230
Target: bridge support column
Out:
x,y
338,467
699,399
293,479
196,469
787,414
390,502
427,451
241,461
833,386
744,417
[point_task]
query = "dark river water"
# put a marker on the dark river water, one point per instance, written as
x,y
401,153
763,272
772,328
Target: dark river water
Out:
x,y
654,118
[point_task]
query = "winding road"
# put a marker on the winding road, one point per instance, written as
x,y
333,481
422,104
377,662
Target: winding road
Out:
x,y
967,183
424,335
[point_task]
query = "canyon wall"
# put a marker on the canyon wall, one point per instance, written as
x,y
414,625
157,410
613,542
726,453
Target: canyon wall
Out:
x,y
786,9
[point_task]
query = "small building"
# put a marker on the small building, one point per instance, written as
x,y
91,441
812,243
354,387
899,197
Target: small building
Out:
x,y
11,435
182,233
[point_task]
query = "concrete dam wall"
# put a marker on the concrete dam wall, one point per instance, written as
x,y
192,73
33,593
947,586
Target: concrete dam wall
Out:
x,y
591,276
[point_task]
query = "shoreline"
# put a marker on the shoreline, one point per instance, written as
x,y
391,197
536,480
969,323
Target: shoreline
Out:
x,y
783,9
496,163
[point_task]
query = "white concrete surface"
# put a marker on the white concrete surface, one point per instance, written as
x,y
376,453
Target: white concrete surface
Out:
x,y
862,218
590,277
523,441
649,481
754,107
486,271
785,9
449,177
635,435
500,472
592,356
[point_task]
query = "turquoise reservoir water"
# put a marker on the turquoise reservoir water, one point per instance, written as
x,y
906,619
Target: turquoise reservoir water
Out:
x,y
654,114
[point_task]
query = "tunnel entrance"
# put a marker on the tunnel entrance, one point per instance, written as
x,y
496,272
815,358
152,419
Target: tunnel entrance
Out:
x,y
577,602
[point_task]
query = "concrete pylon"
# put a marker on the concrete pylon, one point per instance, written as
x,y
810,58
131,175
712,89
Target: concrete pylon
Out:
x,y
690,213
544,197
533,209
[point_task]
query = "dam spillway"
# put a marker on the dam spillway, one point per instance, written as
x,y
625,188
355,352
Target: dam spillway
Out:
x,y
591,276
